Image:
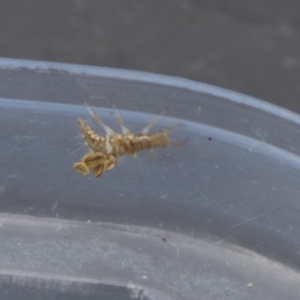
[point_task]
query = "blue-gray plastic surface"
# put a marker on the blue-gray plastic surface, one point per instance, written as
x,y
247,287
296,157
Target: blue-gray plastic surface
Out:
x,y
217,218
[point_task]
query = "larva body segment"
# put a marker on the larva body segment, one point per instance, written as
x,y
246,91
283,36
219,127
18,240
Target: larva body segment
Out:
x,y
133,144
124,144
93,140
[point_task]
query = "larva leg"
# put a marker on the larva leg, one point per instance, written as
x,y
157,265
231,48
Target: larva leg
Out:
x,y
146,130
154,155
124,129
109,132
97,119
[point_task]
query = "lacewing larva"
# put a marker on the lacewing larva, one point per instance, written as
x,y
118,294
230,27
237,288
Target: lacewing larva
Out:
x,y
106,149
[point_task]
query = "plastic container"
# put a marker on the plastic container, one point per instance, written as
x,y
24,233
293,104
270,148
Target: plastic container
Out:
x,y
217,218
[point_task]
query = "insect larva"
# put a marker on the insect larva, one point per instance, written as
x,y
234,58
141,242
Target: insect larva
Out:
x,y
105,150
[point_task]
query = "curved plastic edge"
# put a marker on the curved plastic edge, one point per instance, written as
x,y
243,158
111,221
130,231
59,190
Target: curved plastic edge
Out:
x,y
177,82
237,139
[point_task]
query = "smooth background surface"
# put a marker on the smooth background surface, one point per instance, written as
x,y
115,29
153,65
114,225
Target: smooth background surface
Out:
x,y
247,46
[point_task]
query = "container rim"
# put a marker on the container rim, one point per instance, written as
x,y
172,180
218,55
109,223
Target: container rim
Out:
x,y
152,78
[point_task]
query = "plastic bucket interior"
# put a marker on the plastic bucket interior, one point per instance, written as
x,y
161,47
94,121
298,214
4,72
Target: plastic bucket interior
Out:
x,y
216,218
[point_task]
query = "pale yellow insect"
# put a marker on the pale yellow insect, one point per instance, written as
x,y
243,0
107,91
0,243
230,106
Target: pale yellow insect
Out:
x,y
105,150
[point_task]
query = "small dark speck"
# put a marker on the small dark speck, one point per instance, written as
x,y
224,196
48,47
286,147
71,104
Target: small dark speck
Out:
x,y
164,239
209,138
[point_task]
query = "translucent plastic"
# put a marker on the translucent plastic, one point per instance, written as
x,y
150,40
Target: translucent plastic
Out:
x,y
217,218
